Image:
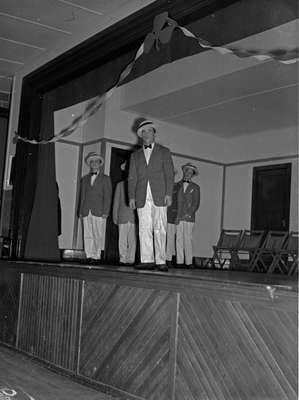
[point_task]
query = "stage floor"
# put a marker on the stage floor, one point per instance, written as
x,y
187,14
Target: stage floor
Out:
x,y
33,381
225,275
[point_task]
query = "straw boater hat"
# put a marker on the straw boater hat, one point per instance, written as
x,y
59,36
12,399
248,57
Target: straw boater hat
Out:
x,y
190,166
93,156
146,123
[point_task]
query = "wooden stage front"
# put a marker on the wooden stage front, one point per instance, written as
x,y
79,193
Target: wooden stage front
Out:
x,y
183,335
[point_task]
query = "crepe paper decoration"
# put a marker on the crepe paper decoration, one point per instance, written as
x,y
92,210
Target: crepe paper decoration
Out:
x,y
163,28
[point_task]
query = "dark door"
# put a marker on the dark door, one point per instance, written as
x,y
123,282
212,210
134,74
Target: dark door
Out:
x,y
118,156
271,197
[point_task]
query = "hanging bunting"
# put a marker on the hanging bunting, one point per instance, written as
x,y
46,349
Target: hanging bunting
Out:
x,y
284,56
163,28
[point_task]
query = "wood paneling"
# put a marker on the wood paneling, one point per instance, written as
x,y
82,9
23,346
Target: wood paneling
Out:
x,y
232,350
125,338
187,335
49,319
9,301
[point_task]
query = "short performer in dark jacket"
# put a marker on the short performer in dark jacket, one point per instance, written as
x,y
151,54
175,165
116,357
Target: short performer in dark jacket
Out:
x,y
94,206
188,198
125,218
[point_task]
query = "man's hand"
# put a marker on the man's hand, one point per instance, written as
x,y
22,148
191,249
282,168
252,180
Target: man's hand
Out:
x,y
132,204
104,216
168,200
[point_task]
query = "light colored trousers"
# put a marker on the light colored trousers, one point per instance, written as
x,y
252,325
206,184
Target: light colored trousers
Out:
x,y
184,242
94,232
152,233
170,241
127,242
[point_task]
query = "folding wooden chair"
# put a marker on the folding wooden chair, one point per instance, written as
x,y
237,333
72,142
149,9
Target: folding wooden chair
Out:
x,y
286,260
225,249
249,246
266,255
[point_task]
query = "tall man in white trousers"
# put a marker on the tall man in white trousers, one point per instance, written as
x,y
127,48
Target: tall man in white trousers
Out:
x,y
94,207
150,185
188,200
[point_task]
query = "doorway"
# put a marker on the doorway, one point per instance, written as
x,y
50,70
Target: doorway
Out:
x,y
271,197
118,156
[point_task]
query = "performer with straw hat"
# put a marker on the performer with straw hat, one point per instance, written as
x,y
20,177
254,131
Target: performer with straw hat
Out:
x,y
94,207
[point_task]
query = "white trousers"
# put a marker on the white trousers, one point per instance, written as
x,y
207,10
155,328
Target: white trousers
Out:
x,y
152,233
94,231
170,241
184,242
127,242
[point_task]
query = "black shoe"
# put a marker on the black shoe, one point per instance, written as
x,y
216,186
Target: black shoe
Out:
x,y
190,266
180,266
130,264
95,261
169,264
162,267
145,266
121,264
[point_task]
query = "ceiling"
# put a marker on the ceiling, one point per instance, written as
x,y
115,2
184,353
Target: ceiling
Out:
x,y
235,97
31,28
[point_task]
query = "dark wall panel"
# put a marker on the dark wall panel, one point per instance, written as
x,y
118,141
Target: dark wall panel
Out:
x,y
9,302
49,319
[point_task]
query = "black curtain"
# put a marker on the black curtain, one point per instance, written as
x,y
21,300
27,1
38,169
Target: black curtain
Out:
x,y
42,236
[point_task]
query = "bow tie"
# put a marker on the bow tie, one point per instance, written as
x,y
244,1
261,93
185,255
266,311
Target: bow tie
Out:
x,y
147,146
185,181
93,173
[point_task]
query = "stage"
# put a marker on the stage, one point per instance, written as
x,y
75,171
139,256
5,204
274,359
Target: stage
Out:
x,y
182,334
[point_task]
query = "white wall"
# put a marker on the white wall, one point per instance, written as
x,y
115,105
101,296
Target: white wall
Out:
x,y
119,125
271,147
238,192
262,145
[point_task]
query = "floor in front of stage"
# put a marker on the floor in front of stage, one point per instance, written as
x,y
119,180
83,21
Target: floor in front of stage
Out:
x,y
30,380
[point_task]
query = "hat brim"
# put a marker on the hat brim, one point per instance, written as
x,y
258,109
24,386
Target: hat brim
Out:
x,y
87,161
195,170
139,130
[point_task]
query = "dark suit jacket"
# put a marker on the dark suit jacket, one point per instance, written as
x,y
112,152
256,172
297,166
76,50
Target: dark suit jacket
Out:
x,y
172,211
159,173
188,201
95,198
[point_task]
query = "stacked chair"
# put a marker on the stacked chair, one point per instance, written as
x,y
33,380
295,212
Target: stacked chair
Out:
x,y
225,249
286,260
248,248
255,251
266,255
